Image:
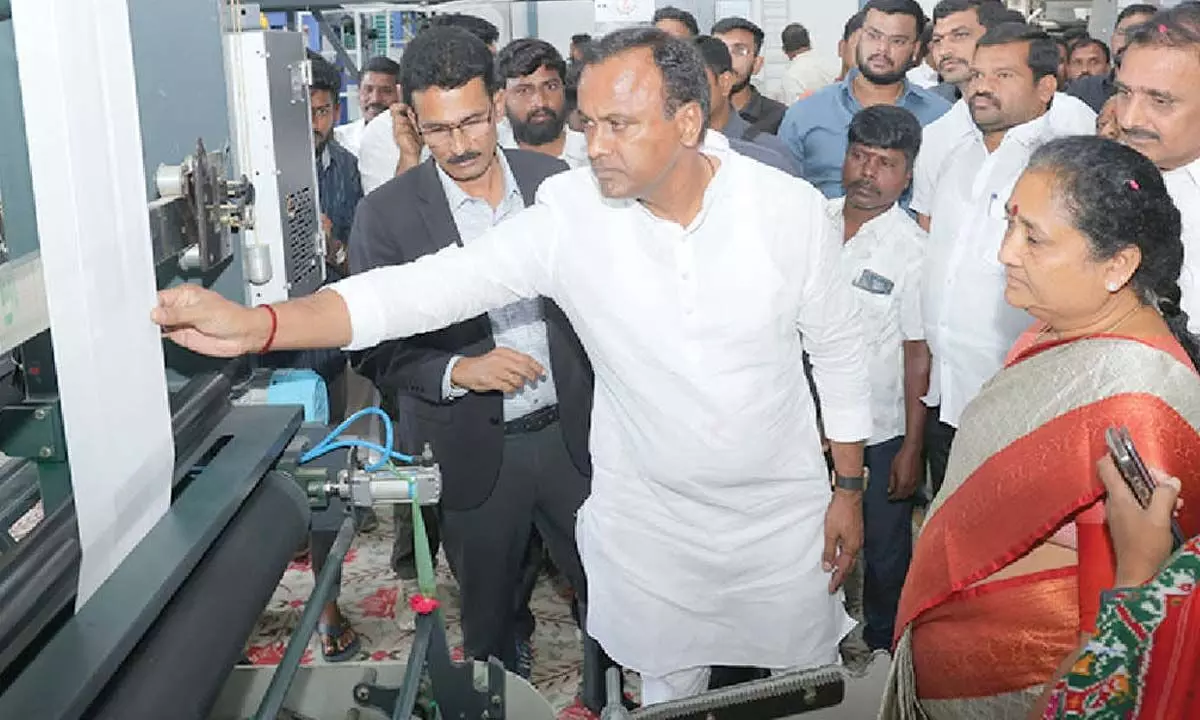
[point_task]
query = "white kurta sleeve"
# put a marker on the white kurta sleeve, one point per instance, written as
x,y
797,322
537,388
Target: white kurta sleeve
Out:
x,y
912,324
832,332
511,261
924,183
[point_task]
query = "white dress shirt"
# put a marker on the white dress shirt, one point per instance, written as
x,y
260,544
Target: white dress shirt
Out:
x,y
574,152
923,76
702,537
350,135
1068,115
378,154
805,74
519,325
1184,185
883,264
968,325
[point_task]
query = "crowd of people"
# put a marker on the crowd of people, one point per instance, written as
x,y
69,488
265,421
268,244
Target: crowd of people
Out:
x,y
706,348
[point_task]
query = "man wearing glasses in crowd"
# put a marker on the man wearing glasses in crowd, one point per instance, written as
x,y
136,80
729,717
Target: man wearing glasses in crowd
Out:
x,y
504,398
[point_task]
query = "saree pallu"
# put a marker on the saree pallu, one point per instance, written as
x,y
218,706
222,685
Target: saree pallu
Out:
x,y
1144,662
1022,466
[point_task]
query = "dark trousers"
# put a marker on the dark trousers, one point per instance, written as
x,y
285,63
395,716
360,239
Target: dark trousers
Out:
x,y
538,486
938,437
887,545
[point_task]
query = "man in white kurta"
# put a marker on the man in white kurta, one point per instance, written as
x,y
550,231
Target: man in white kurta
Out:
x,y
1158,108
711,506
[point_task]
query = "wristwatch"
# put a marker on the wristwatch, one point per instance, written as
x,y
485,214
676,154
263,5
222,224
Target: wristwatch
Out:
x,y
841,482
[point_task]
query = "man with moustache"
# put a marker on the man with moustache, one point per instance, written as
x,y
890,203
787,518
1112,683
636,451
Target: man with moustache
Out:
x,y
1095,90
745,41
376,93
391,143
535,100
958,25
504,397
712,534
815,128
1157,106
337,169
722,118
1088,57
968,326
882,259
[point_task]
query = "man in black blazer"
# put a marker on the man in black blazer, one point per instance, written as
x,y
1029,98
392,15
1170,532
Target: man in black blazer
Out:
x,y
504,398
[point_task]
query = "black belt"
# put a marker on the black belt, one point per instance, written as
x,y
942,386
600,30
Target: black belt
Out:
x,y
537,420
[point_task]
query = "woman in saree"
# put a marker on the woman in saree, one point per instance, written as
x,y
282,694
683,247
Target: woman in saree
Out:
x,y
1009,568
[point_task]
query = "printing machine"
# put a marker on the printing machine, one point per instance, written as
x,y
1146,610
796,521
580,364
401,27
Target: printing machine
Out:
x,y
232,203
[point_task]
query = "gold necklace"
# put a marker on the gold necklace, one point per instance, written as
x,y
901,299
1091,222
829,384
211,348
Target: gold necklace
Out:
x,y
1111,328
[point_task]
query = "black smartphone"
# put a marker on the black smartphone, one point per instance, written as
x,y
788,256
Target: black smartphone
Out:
x,y
1137,476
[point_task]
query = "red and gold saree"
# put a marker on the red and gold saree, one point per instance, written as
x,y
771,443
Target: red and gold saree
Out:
x,y
1023,468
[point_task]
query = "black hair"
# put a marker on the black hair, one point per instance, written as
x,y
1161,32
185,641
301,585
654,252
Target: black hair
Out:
x,y
729,24
1177,27
1043,51
946,8
993,14
325,76
1117,198
445,57
898,7
1135,9
681,16
795,37
1075,34
525,56
887,127
1088,42
477,26
581,39
382,65
923,41
715,53
679,61
853,25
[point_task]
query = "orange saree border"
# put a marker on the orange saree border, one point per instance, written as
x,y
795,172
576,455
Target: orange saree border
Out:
x,y
989,521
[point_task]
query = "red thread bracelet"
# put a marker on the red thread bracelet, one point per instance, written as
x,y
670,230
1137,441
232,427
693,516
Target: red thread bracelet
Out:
x,y
274,326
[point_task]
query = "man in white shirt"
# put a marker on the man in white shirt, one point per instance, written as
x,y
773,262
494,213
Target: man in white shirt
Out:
x,y
376,93
958,26
535,100
969,326
806,72
711,532
882,260
1157,105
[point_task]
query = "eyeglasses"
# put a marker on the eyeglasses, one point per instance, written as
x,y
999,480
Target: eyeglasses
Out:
x,y
472,128
322,111
740,50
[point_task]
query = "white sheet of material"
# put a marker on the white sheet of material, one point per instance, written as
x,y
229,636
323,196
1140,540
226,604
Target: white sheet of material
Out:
x,y
85,153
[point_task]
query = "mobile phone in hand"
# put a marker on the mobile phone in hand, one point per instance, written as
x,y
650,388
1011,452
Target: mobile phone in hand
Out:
x,y
1137,476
